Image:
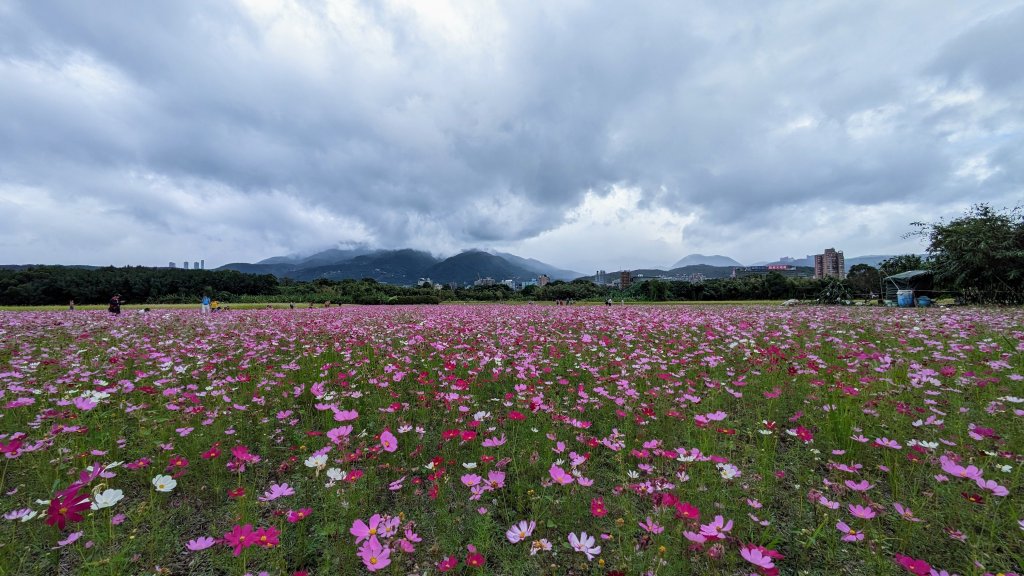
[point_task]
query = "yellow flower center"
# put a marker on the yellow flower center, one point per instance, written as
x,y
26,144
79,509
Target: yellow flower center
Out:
x,y
63,510
373,531
373,559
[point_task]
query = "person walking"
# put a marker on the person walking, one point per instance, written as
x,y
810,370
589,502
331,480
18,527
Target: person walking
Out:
x,y
115,304
205,307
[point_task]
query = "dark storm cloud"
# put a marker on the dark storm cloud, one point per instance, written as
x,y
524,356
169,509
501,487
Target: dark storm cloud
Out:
x,y
264,126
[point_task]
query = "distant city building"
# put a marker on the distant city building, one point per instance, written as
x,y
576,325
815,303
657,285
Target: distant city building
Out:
x,y
831,264
172,265
484,281
195,265
625,279
786,270
543,280
185,264
202,264
600,278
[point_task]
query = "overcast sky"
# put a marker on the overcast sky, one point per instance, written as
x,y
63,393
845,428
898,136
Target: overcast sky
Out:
x,y
585,134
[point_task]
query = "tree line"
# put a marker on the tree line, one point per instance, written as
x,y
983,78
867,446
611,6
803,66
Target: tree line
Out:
x,y
977,257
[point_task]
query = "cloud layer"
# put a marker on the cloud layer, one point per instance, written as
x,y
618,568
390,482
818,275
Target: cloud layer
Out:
x,y
589,134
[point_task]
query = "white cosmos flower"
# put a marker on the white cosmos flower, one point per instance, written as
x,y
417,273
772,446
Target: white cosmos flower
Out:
x,y
164,483
318,461
336,474
109,497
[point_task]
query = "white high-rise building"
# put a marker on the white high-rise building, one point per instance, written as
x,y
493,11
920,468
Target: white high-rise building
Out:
x,y
185,264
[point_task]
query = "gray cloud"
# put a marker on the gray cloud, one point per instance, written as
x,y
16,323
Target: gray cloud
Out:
x,y
244,130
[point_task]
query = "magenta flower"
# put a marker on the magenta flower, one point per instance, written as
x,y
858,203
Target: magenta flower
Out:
x,y
201,543
471,480
267,537
374,555
388,441
240,537
300,514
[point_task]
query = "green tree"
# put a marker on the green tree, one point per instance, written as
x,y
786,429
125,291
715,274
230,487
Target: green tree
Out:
x,y
864,279
981,253
903,263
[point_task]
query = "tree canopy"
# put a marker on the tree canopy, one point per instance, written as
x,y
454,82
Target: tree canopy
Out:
x,y
979,254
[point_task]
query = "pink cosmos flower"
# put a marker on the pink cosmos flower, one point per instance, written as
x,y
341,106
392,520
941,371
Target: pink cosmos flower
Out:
x,y
992,486
495,479
345,415
494,441
471,480
584,543
716,529
560,476
338,434
240,537
277,491
74,536
651,527
201,543
953,469
905,512
859,511
694,537
447,564
294,516
267,537
851,534
388,441
374,555
887,443
862,486
362,531
914,566
755,556
519,532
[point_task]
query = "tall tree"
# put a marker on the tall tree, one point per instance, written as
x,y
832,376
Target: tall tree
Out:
x,y
864,279
902,263
981,253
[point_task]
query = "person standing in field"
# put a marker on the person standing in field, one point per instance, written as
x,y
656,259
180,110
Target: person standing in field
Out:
x,y
205,306
71,305
115,304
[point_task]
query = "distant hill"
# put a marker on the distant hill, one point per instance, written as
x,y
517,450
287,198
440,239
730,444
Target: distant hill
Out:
x,y
700,259
539,267
474,264
403,267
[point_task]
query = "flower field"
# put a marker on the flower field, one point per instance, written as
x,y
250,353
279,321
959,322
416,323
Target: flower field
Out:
x,y
513,440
